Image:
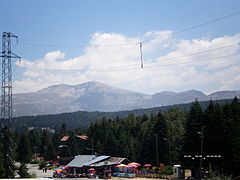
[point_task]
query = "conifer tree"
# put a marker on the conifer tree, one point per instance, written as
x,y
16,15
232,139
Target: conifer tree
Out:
x,y
23,171
50,151
191,146
24,151
34,139
8,153
2,170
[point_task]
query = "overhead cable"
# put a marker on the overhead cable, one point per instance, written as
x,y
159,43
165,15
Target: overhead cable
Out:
x,y
130,68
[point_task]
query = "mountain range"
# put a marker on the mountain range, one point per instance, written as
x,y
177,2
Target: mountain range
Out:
x,y
96,96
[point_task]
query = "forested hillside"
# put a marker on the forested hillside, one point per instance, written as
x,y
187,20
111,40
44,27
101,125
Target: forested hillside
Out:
x,y
82,119
166,137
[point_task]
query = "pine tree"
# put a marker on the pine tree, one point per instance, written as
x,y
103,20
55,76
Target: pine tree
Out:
x,y
160,130
23,171
8,153
191,145
24,152
176,120
44,143
2,170
50,151
34,139
63,130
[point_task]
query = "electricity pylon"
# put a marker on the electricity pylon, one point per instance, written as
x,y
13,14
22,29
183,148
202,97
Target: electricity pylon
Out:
x,y
6,103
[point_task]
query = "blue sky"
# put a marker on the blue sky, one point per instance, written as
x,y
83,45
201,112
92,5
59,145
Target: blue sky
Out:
x,y
48,30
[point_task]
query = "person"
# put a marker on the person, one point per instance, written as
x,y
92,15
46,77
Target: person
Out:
x,y
106,174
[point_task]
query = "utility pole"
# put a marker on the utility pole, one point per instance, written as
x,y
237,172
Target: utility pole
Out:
x,y
169,151
201,152
157,149
6,102
132,148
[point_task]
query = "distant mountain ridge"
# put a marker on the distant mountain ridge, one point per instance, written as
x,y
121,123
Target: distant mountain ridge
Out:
x,y
82,119
96,96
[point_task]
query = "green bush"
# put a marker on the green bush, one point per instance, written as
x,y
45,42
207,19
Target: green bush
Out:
x,y
166,170
219,177
23,171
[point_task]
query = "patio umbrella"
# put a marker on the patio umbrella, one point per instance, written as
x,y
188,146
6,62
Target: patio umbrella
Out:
x,y
121,165
134,163
58,170
132,166
147,165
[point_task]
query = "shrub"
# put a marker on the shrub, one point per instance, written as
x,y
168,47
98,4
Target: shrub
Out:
x,y
23,171
219,177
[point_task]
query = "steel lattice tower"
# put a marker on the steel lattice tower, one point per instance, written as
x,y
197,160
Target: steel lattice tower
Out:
x,y
6,101
6,98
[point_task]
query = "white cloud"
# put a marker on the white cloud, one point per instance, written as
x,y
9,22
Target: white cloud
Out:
x,y
119,65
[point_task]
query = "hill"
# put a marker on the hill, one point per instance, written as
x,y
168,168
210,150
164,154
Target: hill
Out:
x,y
96,96
82,119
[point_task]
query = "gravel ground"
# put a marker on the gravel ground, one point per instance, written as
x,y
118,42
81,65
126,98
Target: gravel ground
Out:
x,y
33,168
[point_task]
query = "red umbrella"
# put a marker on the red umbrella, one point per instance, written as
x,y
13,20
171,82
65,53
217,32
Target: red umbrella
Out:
x,y
147,165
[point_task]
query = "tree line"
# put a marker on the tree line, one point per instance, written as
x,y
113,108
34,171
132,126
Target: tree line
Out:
x,y
83,119
172,137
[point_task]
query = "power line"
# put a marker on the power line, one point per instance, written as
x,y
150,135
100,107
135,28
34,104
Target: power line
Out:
x,y
176,64
135,43
197,53
201,60
162,60
177,57
76,46
198,25
133,68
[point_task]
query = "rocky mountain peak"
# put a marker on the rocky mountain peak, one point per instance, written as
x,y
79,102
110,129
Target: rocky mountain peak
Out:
x,y
97,96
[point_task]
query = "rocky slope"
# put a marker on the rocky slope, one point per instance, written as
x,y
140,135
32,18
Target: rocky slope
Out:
x,y
96,96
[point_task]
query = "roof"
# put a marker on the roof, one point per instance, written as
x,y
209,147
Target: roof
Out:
x,y
110,161
118,160
97,159
82,137
86,160
64,138
80,160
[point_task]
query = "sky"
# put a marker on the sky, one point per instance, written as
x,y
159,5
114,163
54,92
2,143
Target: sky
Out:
x,y
186,44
